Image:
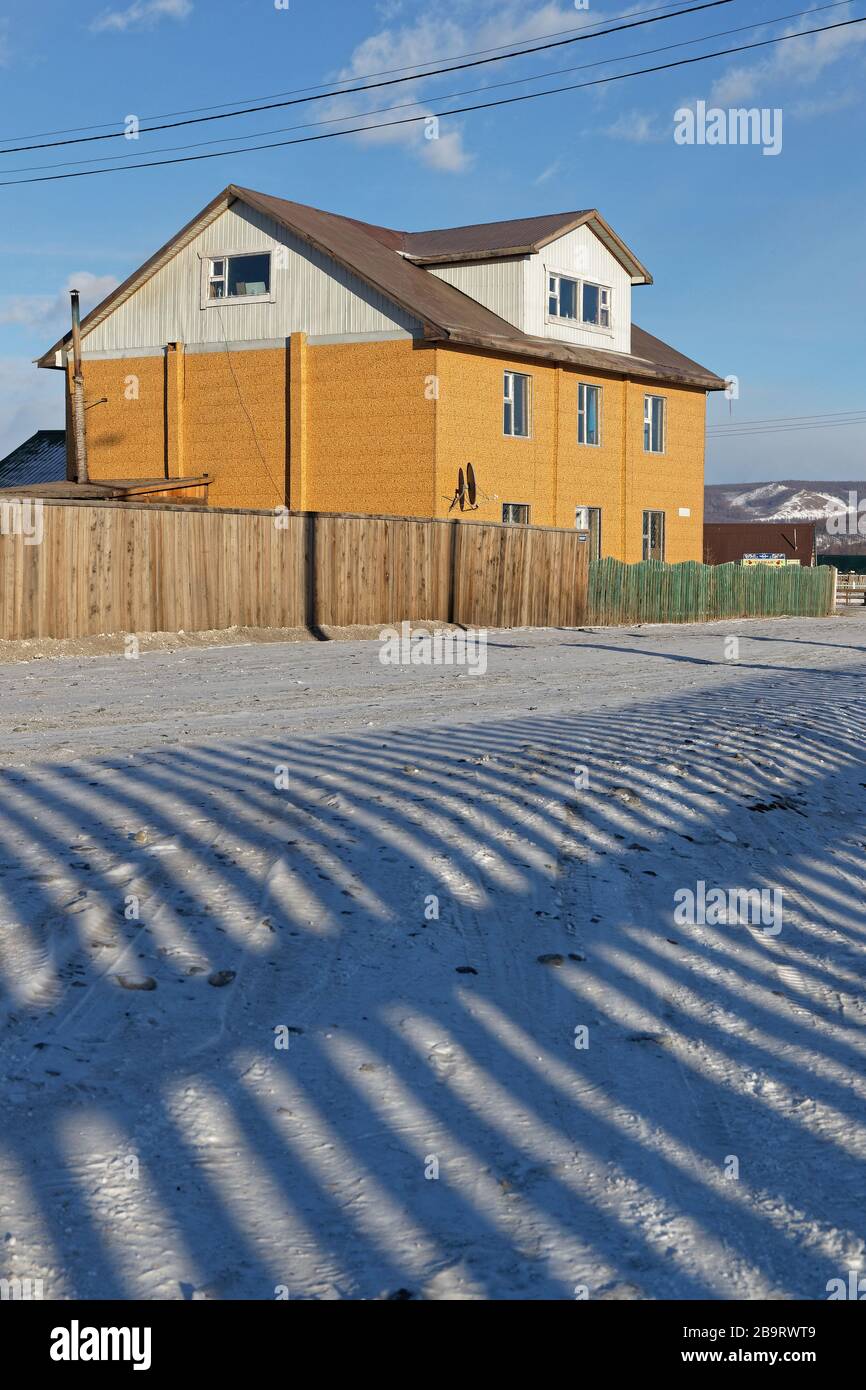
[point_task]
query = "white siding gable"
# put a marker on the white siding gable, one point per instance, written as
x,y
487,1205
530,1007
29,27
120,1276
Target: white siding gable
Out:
x,y
580,255
516,288
311,293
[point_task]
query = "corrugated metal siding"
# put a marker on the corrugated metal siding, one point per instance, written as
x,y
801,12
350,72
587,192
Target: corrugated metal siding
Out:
x,y
40,459
581,254
497,284
313,294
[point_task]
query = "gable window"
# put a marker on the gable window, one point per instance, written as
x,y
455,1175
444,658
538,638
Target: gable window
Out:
x,y
588,414
653,535
562,297
239,277
516,405
596,305
654,424
589,519
515,513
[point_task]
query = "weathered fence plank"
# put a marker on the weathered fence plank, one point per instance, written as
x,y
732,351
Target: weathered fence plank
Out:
x,y
103,568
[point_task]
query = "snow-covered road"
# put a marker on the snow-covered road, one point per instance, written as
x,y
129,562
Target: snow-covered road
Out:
x,y
242,1056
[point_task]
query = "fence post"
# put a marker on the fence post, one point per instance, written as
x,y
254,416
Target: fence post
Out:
x,y
311,596
452,575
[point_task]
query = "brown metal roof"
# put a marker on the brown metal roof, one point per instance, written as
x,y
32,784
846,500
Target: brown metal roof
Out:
x,y
378,256
518,236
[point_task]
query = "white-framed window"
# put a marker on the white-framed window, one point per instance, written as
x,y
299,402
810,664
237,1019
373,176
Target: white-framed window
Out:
x,y
515,513
595,305
563,296
588,414
578,301
244,275
654,424
589,519
653,535
516,405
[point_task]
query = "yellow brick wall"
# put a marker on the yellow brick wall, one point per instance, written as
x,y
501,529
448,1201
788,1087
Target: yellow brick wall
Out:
x,y
225,417
125,436
470,430
555,474
371,416
665,482
235,410
385,427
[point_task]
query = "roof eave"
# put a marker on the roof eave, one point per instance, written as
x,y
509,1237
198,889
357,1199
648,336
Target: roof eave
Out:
x,y
635,368
143,273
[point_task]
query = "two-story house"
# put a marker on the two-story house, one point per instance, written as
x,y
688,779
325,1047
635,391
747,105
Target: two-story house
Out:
x,y
305,359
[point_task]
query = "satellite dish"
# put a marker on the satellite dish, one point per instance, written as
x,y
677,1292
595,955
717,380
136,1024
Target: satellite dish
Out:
x,y
470,481
461,489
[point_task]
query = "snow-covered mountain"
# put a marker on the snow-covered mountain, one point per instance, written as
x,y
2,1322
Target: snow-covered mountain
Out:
x,y
795,500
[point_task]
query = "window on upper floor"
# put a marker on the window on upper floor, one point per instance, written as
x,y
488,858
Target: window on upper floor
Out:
x,y
515,513
654,424
595,302
588,414
562,297
239,277
578,301
516,405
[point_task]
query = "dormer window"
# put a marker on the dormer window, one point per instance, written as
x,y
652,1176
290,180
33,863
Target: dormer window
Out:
x,y
578,301
562,297
239,277
596,305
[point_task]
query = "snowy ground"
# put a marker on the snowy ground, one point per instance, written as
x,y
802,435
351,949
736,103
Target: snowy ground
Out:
x,y
154,1143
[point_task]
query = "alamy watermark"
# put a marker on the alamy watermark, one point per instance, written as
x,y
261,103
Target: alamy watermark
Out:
x,y
850,520
703,125
22,516
438,648
733,907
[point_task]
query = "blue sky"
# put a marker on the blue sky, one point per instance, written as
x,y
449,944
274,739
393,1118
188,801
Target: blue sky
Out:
x,y
757,259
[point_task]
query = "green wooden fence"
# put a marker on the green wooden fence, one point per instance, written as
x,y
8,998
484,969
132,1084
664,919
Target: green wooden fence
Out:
x,y
654,592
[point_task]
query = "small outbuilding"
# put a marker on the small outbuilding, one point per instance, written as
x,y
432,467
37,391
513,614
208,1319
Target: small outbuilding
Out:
x,y
759,542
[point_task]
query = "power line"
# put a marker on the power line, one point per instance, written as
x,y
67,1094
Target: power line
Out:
x,y
450,96
370,86
789,429
451,111
782,419
362,77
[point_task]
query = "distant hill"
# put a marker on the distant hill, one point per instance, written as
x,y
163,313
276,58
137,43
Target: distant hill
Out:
x,y
791,500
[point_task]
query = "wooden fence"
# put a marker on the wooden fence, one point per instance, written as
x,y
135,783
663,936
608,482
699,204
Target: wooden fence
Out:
x,y
127,568
653,592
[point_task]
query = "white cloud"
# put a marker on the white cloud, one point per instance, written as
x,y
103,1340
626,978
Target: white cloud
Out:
x,y
141,14
45,310
800,61
638,127
547,174
465,28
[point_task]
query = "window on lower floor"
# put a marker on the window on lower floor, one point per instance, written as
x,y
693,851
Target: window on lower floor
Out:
x,y
589,519
588,414
654,424
515,513
239,277
653,535
516,405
